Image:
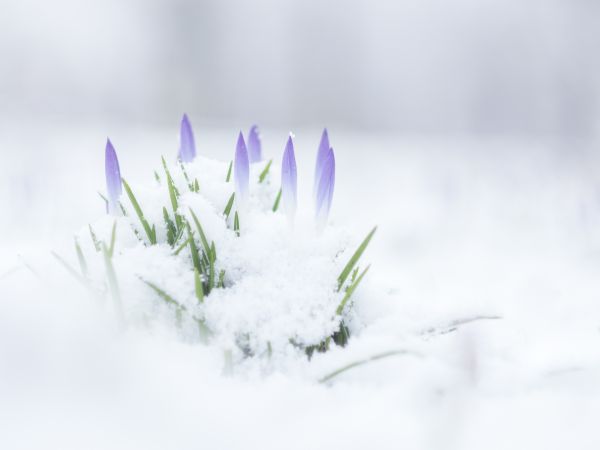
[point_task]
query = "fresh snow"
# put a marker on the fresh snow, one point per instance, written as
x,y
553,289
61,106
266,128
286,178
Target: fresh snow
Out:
x,y
484,270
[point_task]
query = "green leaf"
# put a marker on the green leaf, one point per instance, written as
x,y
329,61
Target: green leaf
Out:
x,y
196,185
221,282
112,282
150,232
350,291
277,199
182,246
185,175
265,171
156,177
211,267
193,249
163,295
94,239
173,195
203,239
71,270
81,259
228,206
198,286
171,230
228,177
355,257
113,237
236,224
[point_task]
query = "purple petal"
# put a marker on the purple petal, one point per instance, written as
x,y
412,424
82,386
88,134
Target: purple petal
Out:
x,y
113,177
289,183
254,145
321,157
187,146
241,170
325,187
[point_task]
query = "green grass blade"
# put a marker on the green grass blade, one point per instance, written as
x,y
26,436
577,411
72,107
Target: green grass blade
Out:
x,y
203,239
193,249
350,291
236,224
156,177
277,200
81,259
221,282
71,270
211,267
113,238
94,239
112,282
196,185
228,177
163,295
182,246
138,210
171,230
198,286
185,175
229,206
265,172
355,257
173,195
343,369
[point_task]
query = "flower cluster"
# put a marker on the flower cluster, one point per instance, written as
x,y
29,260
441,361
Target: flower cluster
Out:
x,y
183,228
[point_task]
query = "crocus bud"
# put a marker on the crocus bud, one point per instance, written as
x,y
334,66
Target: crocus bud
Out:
x,y
187,146
241,170
324,194
113,178
321,157
254,145
289,183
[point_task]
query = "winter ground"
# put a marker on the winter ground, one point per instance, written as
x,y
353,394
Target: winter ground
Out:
x,y
505,230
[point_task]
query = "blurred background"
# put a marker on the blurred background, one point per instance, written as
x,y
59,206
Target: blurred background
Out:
x,y
411,66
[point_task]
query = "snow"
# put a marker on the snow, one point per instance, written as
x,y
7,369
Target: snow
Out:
x,y
484,269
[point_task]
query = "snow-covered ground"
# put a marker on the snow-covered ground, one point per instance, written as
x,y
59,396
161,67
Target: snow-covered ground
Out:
x,y
484,270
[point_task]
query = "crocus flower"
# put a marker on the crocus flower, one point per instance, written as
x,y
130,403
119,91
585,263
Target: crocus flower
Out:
x,y
325,185
321,157
187,146
289,184
241,170
254,145
113,178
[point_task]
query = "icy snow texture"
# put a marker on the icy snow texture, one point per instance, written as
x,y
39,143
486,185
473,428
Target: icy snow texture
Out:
x,y
279,280
467,227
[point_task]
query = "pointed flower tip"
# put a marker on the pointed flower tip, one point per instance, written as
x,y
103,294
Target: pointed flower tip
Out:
x,y
254,145
325,186
187,145
241,169
113,177
322,154
289,179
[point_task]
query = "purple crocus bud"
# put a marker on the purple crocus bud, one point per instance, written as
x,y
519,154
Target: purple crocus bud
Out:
x,y
254,145
241,170
289,183
324,194
113,178
187,146
321,157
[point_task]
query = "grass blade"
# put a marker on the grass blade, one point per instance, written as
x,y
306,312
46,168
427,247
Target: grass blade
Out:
x,y
150,232
94,239
182,246
277,199
355,257
81,259
113,238
229,206
343,369
71,270
203,239
236,224
350,291
112,282
221,282
228,177
173,195
265,172
198,287
193,249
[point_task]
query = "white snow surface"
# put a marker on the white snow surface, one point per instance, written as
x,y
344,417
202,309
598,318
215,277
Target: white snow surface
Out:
x,y
484,270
